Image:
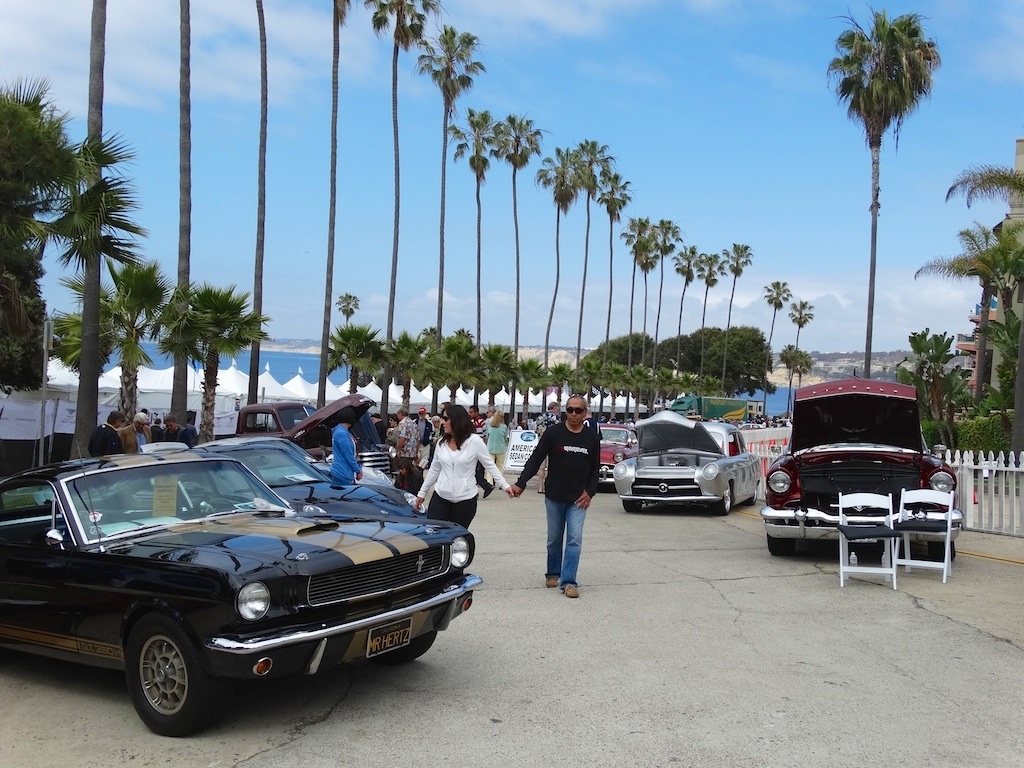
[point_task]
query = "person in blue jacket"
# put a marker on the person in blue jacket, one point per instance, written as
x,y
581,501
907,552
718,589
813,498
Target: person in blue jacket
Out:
x,y
345,467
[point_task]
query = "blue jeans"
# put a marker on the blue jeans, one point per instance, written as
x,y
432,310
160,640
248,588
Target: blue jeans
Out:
x,y
564,519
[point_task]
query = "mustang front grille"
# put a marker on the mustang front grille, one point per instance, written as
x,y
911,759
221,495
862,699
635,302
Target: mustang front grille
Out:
x,y
369,579
820,485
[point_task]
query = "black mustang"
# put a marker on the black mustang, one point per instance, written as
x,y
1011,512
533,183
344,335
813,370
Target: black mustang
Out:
x,y
187,571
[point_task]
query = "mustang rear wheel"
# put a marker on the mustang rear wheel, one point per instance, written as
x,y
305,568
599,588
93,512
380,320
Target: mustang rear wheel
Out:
x,y
631,506
171,691
416,648
781,547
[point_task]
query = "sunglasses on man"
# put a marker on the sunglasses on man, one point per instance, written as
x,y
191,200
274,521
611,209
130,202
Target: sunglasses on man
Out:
x,y
576,410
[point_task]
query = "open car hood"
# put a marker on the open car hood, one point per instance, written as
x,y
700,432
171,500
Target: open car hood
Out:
x,y
317,427
667,430
856,412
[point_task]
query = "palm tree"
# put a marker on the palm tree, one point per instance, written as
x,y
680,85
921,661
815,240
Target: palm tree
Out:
x,y
736,261
638,236
666,239
994,182
216,322
179,395
406,19
532,376
776,294
801,313
560,374
94,225
996,259
348,305
261,205
594,163
684,262
882,74
479,138
614,197
497,366
461,362
449,62
407,357
517,141
88,387
339,14
560,175
358,347
709,268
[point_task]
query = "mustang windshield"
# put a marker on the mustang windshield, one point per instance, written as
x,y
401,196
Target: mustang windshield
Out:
x,y
128,498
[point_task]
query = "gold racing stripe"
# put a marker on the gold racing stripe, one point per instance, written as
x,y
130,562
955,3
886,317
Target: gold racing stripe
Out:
x,y
360,542
60,642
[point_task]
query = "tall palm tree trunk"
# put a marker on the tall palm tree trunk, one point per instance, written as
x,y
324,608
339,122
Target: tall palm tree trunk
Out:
x,y
389,340
479,265
629,341
981,357
703,321
768,366
728,326
657,320
515,343
261,207
325,326
583,287
643,338
679,332
89,368
876,148
179,380
558,274
438,335
210,368
611,288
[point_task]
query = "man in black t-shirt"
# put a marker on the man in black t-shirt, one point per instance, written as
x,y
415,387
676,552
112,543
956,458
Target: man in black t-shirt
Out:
x,y
574,456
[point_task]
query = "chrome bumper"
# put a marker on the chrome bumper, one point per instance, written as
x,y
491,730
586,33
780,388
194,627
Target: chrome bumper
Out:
x,y
816,524
452,592
659,499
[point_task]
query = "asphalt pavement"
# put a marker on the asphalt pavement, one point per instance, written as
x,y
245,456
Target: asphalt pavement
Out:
x,y
689,646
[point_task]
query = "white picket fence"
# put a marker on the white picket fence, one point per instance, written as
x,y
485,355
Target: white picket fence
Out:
x,y
988,486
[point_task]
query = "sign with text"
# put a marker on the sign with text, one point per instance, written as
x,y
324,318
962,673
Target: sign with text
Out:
x,y
521,443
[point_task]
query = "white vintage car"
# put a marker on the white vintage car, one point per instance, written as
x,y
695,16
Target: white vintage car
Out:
x,y
684,462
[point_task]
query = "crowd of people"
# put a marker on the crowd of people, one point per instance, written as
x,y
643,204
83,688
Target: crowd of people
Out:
x,y
116,435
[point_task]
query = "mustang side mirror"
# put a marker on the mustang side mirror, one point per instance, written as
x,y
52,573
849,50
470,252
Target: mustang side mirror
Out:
x,y
54,537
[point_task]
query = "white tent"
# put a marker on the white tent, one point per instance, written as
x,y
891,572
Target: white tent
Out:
x,y
232,381
269,388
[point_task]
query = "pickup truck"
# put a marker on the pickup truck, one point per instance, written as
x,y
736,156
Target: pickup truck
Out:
x,y
311,429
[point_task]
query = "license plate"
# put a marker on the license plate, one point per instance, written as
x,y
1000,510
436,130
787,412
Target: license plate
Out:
x,y
388,637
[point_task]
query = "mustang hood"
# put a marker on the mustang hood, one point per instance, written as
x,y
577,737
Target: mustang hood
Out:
x,y
667,430
856,412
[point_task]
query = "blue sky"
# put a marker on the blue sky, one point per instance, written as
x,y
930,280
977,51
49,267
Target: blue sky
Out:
x,y
719,113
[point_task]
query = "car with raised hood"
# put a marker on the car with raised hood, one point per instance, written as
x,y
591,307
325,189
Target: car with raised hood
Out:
x,y
311,430
687,462
618,442
849,436
187,572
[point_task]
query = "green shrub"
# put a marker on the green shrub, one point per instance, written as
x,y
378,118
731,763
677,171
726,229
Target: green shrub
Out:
x,y
932,435
984,434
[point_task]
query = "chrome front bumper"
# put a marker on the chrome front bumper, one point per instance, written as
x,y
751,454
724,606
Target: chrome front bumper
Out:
x,y
816,524
262,644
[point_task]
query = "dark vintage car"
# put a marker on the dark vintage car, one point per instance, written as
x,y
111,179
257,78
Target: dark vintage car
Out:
x,y
275,461
618,442
312,431
684,462
849,436
188,572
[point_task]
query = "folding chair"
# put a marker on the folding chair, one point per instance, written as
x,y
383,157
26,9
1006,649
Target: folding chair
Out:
x,y
912,518
866,529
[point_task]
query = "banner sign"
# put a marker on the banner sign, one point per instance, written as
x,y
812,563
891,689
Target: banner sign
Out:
x,y
521,443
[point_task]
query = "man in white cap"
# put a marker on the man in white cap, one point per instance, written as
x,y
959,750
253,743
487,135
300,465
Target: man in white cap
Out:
x,y
136,434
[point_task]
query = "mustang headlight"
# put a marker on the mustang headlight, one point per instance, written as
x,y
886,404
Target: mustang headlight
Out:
x,y
618,456
710,471
253,601
942,482
460,552
779,482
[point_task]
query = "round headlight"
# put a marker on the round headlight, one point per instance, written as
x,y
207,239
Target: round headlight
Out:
x,y
253,601
710,471
779,482
942,482
618,456
392,451
621,469
460,552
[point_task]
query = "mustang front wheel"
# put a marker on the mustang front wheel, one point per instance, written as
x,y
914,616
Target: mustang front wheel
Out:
x,y
171,691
